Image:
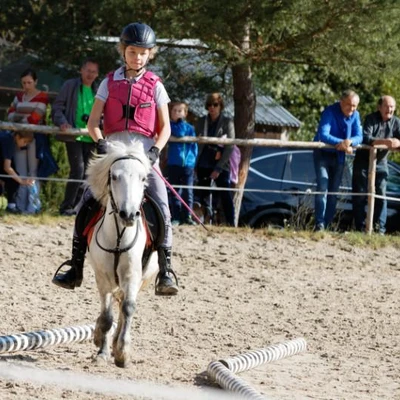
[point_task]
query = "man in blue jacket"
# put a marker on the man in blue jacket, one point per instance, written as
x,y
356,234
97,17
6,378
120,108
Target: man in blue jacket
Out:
x,y
340,126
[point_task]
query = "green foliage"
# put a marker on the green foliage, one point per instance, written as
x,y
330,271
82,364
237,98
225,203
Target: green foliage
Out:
x,y
306,90
52,190
303,52
190,74
346,37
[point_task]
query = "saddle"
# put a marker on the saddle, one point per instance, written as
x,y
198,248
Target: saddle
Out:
x,y
153,222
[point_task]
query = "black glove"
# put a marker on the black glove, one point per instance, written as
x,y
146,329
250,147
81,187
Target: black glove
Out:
x,y
153,154
101,146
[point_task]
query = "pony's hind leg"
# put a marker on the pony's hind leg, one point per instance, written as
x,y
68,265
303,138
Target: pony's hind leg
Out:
x,y
122,337
102,333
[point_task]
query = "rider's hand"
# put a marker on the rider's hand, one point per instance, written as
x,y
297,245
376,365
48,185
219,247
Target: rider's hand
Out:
x,y
101,146
153,154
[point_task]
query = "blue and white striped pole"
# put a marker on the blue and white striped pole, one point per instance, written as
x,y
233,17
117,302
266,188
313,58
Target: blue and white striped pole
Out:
x,y
46,338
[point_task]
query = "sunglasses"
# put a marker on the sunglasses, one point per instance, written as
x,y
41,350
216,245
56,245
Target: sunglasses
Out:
x,y
213,105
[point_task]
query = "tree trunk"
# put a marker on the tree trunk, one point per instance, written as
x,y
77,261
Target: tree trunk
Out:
x,y
245,104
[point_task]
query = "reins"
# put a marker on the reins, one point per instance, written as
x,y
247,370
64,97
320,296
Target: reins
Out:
x,y
117,251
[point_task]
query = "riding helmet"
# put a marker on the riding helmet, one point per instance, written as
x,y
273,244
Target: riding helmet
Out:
x,y
138,34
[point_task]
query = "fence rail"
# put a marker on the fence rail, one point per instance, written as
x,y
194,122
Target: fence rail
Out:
x,y
52,130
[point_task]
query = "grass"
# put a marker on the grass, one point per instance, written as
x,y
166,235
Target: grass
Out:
x,y
356,239
37,219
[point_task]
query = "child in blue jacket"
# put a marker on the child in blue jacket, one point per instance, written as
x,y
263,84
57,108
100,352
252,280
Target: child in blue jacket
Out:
x,y
181,162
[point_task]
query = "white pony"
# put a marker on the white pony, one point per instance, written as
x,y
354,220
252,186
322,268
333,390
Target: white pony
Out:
x,y
118,180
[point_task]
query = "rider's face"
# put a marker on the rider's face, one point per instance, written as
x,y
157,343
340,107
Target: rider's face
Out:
x,y
136,57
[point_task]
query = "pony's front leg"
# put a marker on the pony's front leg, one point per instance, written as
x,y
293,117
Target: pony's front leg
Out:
x,y
103,326
122,338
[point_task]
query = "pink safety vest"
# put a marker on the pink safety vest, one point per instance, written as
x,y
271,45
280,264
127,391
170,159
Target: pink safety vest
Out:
x,y
131,107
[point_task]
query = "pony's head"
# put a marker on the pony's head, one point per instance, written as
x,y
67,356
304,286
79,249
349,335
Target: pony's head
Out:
x,y
122,174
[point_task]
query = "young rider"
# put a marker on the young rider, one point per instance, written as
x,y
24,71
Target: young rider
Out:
x,y
134,104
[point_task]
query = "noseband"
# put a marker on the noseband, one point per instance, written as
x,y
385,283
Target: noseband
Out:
x,y
117,251
110,193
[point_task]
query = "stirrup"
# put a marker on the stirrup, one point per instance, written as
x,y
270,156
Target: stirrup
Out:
x,y
60,279
166,290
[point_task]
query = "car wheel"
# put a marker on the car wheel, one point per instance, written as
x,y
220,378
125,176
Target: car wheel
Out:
x,y
270,221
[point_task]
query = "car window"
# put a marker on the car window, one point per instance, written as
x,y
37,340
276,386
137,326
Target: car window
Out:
x,y
300,168
393,183
268,165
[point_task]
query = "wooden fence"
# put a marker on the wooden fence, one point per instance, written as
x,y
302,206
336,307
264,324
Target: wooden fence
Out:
x,y
52,130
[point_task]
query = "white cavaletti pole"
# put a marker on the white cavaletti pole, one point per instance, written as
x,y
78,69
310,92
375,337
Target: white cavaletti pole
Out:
x,y
223,371
51,337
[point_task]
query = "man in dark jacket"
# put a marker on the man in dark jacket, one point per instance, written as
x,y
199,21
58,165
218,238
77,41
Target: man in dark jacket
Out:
x,y
71,109
380,128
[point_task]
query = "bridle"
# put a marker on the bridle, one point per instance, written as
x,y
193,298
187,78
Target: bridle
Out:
x,y
117,250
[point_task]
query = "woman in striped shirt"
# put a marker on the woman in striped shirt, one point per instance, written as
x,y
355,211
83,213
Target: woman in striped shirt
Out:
x,y
28,107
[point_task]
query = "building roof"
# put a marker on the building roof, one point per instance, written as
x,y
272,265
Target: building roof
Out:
x,y
268,112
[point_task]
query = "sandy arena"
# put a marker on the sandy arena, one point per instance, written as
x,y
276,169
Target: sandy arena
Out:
x,y
239,291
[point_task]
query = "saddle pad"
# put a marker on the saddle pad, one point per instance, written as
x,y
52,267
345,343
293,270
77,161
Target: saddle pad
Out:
x,y
153,223
88,232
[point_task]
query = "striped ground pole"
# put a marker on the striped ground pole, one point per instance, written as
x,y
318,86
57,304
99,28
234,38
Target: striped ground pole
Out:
x,y
46,338
223,371
229,381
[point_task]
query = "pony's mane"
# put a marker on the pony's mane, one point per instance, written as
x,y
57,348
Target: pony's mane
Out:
x,y
99,166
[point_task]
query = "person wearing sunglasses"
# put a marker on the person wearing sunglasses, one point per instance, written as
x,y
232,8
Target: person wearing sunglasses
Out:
x,y
213,165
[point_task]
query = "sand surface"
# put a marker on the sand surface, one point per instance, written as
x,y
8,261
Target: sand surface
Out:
x,y
239,291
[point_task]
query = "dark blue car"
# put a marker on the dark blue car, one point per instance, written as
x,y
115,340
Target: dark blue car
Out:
x,y
280,185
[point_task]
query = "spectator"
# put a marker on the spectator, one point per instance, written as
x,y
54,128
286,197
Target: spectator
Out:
x,y
181,162
380,128
213,163
339,126
10,143
71,109
29,107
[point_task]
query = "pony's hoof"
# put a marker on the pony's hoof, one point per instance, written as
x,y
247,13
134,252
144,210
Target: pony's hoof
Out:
x,y
121,363
101,359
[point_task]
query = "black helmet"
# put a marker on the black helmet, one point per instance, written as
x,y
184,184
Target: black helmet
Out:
x,y
138,34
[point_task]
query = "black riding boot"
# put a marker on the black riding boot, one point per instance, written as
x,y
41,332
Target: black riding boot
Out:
x,y
73,277
166,281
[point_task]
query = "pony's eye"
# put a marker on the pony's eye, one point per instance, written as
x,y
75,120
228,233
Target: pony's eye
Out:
x,y
114,177
143,179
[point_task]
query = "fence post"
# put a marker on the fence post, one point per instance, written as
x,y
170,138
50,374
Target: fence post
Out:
x,y
371,190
